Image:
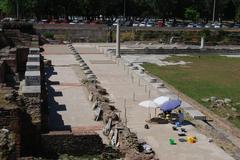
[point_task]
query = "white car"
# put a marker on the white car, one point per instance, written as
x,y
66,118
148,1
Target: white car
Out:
x,y
190,25
115,23
142,24
135,24
217,25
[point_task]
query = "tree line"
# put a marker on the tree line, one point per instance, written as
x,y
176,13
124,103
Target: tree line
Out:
x,y
225,9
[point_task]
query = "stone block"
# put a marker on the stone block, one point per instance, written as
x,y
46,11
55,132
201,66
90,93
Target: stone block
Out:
x,y
32,78
33,66
91,76
194,113
152,80
88,71
85,68
83,64
31,91
134,68
34,50
33,58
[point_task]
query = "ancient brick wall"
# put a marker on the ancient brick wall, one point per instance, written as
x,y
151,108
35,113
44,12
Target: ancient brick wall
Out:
x,y
11,63
3,40
72,143
10,119
2,71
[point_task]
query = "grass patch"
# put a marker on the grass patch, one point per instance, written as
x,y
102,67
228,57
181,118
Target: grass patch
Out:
x,y
204,77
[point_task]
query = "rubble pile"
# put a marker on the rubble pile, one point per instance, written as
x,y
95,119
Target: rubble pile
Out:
x,y
117,132
29,104
217,102
7,143
226,104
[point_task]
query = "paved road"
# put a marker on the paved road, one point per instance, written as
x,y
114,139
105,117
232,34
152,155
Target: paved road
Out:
x,y
121,86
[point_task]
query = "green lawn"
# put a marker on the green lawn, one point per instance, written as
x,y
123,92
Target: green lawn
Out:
x,y
204,77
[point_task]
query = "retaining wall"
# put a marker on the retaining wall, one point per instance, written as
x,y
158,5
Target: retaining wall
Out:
x,y
178,51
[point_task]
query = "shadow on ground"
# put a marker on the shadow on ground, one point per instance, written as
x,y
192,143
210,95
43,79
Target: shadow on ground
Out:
x,y
55,121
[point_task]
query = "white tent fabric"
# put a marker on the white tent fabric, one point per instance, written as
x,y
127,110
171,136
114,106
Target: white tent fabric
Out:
x,y
161,100
148,104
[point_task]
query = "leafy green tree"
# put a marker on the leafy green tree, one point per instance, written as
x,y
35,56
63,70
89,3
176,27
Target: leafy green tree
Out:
x,y
113,8
191,14
7,6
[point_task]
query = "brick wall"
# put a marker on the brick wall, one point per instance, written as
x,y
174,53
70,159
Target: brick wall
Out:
x,y
2,71
10,119
11,63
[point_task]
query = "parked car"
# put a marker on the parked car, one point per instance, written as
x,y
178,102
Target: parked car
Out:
x,y
32,21
150,24
180,25
236,25
120,22
159,24
169,24
8,19
43,21
128,23
227,25
208,25
217,25
75,21
199,25
191,25
109,23
136,23
143,24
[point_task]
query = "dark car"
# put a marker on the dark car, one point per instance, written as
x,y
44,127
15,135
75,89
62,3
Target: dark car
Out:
x,y
128,23
236,25
181,25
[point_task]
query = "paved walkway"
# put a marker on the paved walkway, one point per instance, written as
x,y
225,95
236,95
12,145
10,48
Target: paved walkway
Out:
x,y
68,100
121,86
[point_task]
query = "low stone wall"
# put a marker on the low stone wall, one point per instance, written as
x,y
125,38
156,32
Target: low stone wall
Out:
x,y
77,34
178,51
66,142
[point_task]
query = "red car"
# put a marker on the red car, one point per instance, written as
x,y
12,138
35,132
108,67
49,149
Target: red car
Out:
x,y
159,24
